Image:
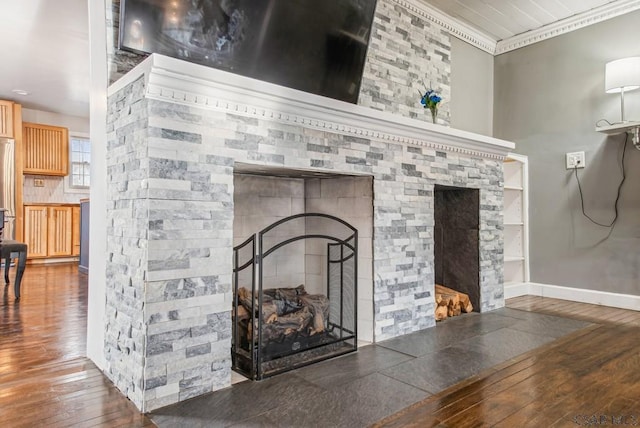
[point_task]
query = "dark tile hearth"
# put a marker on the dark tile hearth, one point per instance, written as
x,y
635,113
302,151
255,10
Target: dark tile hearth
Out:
x,y
379,380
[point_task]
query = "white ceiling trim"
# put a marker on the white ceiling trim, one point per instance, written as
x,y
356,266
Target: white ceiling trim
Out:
x,y
593,16
488,44
455,27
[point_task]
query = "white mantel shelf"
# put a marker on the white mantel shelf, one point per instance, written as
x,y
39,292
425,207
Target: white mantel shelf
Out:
x,y
182,82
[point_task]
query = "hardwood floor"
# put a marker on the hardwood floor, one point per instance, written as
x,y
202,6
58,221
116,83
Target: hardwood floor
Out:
x,y
590,374
45,380
575,310
590,377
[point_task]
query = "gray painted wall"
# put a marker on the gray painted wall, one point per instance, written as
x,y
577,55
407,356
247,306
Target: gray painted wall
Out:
x,y
471,88
548,98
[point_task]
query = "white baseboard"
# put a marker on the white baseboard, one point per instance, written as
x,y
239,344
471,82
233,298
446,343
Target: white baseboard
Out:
x,y
516,290
594,297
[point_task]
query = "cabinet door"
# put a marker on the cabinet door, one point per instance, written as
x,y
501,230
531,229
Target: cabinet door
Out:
x,y
60,231
6,119
46,149
35,230
75,233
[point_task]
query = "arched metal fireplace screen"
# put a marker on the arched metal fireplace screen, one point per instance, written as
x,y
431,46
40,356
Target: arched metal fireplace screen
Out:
x,y
279,326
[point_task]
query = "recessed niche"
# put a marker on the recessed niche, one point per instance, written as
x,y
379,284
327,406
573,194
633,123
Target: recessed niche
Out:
x,y
264,195
456,240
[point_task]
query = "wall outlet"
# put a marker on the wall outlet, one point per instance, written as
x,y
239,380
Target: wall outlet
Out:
x,y
38,182
575,160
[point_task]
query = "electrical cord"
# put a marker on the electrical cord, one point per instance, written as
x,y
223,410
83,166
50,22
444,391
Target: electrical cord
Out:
x,y
615,205
603,120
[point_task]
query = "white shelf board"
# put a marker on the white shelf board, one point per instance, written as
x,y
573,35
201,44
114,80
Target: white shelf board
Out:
x,y
513,259
618,128
512,187
514,223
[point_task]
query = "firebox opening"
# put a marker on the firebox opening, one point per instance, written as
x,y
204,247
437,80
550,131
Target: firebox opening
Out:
x,y
456,246
317,256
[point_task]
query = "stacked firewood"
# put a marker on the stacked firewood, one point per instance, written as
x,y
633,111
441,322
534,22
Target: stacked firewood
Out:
x,y
451,303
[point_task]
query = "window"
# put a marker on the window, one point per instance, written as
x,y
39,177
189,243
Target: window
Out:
x,y
80,162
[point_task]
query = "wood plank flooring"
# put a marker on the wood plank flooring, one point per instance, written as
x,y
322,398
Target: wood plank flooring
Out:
x,y
590,377
45,380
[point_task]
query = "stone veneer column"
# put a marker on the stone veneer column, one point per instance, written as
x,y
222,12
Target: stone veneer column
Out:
x,y
168,268
127,240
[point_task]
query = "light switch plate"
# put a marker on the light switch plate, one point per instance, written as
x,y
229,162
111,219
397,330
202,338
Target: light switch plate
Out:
x,y
575,160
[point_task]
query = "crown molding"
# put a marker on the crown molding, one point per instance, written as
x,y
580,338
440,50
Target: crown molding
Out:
x,y
593,16
180,82
455,27
488,44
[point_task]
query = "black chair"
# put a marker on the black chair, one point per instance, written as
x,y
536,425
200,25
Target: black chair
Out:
x,y
10,249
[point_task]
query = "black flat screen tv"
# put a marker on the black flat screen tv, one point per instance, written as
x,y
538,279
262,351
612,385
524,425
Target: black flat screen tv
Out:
x,y
317,46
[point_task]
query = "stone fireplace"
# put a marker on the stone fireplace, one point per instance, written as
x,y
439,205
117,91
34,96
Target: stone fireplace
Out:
x,y
178,131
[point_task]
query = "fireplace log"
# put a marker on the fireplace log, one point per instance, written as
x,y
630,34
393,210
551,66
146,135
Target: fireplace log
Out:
x,y
453,309
454,301
243,314
319,306
269,308
465,304
285,312
441,312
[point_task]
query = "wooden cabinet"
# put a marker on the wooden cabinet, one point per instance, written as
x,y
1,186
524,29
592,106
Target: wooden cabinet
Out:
x,y
46,149
6,119
59,231
35,230
52,231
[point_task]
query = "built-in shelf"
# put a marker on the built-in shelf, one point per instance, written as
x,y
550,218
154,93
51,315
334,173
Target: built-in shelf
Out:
x,y
618,128
516,232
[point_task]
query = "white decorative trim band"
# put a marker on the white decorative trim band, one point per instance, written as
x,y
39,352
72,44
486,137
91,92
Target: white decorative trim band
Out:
x,y
181,82
594,297
593,16
455,27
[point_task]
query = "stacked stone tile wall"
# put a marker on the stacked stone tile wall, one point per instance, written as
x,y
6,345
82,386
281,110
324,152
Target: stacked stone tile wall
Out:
x,y
406,53
127,240
174,192
169,247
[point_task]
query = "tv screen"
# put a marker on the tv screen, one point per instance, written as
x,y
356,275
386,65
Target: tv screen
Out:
x,y
312,45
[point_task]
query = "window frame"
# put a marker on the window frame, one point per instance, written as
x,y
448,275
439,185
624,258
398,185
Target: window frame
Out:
x,y
69,186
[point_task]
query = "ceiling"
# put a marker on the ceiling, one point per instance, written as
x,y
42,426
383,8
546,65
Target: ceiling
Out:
x,y
45,51
502,19
45,43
